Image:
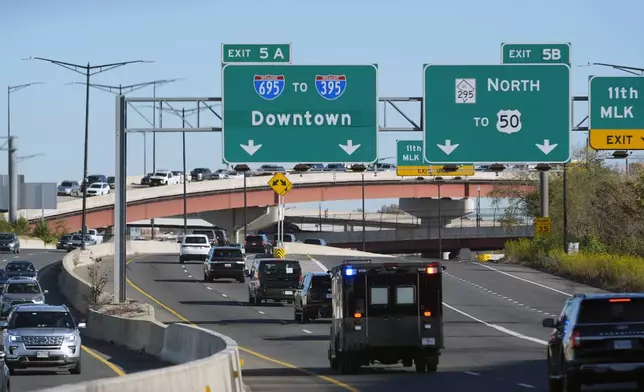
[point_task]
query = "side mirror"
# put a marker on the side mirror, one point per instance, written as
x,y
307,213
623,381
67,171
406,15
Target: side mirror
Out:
x,y
82,325
45,291
549,323
3,324
2,355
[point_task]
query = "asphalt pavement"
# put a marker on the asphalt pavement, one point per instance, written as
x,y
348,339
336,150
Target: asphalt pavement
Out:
x,y
99,359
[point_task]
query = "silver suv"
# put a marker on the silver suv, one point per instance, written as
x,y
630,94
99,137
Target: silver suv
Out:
x,y
22,290
42,336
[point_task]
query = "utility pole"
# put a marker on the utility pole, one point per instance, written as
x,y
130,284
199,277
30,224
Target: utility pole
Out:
x,y
88,71
11,168
122,90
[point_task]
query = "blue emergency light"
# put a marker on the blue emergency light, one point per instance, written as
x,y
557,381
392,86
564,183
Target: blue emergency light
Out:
x,y
349,271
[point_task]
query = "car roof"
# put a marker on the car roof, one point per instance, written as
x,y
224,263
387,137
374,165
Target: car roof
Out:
x,y
20,262
195,235
40,308
609,295
21,279
227,248
273,259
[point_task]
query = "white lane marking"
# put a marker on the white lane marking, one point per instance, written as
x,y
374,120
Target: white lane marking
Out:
x,y
260,312
498,327
319,264
183,266
526,385
472,373
283,321
190,276
15,257
30,254
524,280
478,286
208,288
306,331
186,271
4,260
224,295
493,326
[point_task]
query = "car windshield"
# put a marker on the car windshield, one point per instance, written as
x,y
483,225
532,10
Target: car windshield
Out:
x,y
195,239
42,320
66,238
23,288
66,183
20,267
6,236
227,253
91,179
160,174
255,238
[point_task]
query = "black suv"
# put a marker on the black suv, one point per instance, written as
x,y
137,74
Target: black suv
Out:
x,y
224,262
274,279
598,338
387,312
258,243
313,297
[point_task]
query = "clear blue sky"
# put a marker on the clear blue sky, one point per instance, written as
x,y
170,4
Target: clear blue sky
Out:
x,y
184,38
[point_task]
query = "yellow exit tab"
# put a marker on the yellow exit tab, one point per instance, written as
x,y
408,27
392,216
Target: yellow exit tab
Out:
x,y
616,139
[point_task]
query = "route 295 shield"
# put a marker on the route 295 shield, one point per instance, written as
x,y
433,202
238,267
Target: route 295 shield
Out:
x,y
508,121
330,86
269,87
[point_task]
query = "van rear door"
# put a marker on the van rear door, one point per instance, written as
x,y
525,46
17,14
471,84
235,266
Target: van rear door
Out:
x,y
403,306
282,274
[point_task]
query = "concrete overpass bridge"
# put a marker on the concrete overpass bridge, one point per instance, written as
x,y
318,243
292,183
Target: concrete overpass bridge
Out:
x,y
224,197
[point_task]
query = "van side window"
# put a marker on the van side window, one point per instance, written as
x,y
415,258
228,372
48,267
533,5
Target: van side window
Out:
x,y
379,296
405,295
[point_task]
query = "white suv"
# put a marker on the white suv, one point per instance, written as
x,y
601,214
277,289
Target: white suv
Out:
x,y
194,247
164,177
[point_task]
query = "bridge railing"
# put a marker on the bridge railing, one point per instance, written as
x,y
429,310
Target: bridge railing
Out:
x,y
334,222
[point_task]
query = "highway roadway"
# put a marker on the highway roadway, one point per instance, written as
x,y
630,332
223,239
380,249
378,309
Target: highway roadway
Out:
x,y
493,314
99,360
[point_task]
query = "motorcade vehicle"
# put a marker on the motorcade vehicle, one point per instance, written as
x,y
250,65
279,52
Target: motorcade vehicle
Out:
x,y
21,269
224,262
64,242
93,179
9,242
42,336
163,177
111,181
273,279
68,188
76,240
145,180
3,280
21,291
313,297
597,339
287,237
386,312
194,247
258,243
201,174
216,236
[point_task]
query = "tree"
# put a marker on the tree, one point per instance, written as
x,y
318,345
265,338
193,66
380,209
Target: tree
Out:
x,y
390,209
21,226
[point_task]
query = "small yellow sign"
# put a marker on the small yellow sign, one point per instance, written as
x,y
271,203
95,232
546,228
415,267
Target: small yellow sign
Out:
x,y
542,226
435,170
280,184
617,139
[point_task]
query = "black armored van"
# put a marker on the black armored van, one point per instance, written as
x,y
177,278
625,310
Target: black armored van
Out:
x,y
386,312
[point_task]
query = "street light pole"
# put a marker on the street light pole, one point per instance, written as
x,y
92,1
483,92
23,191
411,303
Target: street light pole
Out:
x,y
119,90
185,195
364,233
440,224
624,68
13,212
88,71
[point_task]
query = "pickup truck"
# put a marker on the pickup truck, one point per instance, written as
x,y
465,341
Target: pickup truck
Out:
x,y
93,234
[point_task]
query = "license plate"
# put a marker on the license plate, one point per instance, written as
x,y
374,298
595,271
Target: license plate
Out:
x,y
622,344
227,265
329,295
42,354
288,293
429,341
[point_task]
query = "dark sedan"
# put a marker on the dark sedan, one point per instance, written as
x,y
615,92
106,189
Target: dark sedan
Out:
x,y
3,280
64,242
21,268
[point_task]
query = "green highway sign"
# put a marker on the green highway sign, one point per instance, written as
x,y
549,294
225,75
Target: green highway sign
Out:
x,y
517,113
410,161
300,113
616,112
255,53
535,53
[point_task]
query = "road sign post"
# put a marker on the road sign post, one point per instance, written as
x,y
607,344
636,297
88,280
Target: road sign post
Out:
x,y
542,227
616,112
410,162
536,53
300,113
281,185
255,53
518,113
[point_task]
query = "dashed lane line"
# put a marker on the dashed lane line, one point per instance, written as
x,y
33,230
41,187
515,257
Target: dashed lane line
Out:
x,y
478,286
526,385
523,279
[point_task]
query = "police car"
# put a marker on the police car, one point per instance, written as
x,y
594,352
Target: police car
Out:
x,y
386,313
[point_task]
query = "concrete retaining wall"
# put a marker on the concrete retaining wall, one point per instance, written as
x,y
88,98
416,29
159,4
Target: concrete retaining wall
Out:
x,y
207,361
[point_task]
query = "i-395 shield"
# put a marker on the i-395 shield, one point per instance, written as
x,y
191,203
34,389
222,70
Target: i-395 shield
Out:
x,y
330,86
269,87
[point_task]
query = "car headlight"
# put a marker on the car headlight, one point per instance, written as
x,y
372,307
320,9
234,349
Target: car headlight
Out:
x,y
70,338
15,338
39,300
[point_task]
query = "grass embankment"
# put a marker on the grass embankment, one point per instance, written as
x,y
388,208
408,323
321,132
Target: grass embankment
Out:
x,y
618,273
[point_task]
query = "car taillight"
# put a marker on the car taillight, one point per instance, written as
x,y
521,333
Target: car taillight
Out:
x,y
431,270
575,339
